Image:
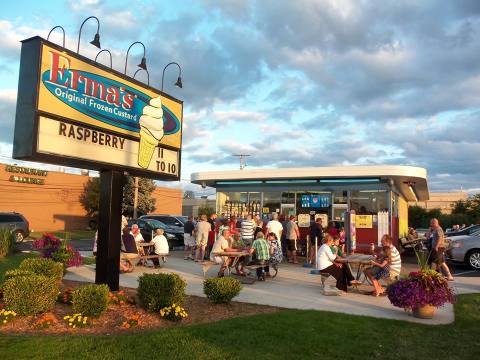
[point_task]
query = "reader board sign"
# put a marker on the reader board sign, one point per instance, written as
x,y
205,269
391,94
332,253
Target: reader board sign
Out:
x,y
76,112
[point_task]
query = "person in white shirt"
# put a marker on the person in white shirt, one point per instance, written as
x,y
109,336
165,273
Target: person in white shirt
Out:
x,y
221,245
275,226
161,246
326,264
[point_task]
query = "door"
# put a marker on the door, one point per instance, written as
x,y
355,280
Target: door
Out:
x,y
338,212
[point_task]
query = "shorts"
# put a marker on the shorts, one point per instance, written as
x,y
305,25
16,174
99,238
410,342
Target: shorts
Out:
x,y
292,245
126,256
188,240
201,242
437,257
218,259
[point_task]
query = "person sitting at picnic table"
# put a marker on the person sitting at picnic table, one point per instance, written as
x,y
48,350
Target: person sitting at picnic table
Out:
x,y
221,245
261,252
276,254
238,244
161,246
336,248
128,250
326,264
387,267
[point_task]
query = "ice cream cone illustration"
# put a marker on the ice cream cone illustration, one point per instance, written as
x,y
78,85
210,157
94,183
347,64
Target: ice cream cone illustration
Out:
x,y
151,131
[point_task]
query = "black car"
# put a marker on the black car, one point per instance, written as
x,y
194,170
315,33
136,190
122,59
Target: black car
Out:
x,y
467,231
176,221
149,226
16,223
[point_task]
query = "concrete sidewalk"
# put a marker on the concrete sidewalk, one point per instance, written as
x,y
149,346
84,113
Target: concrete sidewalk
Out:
x,y
293,288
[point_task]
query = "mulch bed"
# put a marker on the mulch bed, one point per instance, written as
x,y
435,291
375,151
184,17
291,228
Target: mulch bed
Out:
x,y
200,310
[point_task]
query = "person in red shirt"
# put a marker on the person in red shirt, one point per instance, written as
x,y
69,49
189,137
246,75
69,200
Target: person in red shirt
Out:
x,y
332,229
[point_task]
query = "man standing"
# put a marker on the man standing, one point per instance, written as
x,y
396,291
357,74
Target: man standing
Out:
x,y
202,230
437,255
247,230
188,239
211,235
275,226
316,232
293,234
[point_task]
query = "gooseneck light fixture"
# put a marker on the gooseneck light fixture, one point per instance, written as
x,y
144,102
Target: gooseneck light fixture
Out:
x,y
57,27
179,80
107,51
148,75
143,63
96,40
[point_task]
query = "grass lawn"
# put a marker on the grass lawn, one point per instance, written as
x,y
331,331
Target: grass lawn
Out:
x,y
289,334
70,235
12,262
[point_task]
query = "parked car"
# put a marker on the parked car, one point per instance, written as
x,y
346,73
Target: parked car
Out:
x,y
149,226
421,232
170,220
465,249
17,223
467,231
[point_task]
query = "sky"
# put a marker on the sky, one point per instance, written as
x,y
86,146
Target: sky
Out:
x,y
292,83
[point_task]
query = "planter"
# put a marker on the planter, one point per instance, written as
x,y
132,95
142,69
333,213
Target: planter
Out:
x,y
424,312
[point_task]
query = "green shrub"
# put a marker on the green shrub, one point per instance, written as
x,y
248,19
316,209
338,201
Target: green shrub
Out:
x,y
156,291
42,266
7,242
221,290
90,300
31,294
17,272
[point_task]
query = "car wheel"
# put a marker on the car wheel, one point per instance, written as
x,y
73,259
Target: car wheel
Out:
x,y
19,236
473,259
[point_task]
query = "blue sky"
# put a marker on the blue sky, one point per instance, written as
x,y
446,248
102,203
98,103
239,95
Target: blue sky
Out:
x,y
293,83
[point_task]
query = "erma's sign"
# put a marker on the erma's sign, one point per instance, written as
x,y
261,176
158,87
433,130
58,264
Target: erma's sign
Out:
x,y
73,111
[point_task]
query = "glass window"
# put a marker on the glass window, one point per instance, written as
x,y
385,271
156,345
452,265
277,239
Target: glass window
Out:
x,y
340,197
272,201
288,198
313,200
366,202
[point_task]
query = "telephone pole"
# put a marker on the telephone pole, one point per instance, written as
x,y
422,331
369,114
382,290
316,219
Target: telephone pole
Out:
x,y
135,197
242,158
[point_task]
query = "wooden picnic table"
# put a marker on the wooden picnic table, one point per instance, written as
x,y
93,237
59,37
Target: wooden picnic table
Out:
x,y
236,255
146,256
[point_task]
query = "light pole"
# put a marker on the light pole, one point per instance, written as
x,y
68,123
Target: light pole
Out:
x,y
179,80
107,51
143,63
148,75
96,39
135,197
57,27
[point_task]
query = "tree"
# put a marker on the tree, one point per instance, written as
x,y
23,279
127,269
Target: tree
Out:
x,y
146,203
90,198
205,210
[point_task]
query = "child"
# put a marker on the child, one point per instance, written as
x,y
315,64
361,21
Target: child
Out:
x,y
381,269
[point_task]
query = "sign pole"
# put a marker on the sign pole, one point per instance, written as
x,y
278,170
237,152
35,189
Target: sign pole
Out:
x,y
109,228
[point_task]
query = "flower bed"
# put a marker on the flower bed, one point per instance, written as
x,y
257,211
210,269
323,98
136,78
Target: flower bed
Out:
x,y
124,315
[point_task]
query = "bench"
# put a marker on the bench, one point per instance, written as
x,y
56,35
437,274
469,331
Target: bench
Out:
x,y
150,257
326,290
206,265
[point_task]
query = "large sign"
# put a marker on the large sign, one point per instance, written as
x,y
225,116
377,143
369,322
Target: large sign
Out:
x,y
73,111
28,171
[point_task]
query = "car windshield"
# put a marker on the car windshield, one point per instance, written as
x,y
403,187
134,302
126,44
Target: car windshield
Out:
x,y
155,224
183,219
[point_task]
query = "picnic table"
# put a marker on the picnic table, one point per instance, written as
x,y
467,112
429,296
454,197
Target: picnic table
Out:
x,y
235,255
147,247
361,260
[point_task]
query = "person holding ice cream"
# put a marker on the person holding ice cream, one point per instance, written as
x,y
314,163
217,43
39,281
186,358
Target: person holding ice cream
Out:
x,y
151,131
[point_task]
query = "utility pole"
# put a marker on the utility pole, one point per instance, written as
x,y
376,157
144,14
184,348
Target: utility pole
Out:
x,y
242,158
135,197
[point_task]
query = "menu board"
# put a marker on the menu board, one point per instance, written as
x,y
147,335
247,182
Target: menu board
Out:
x,y
315,201
303,220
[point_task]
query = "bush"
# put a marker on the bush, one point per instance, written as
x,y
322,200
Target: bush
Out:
x,y
90,300
17,272
156,291
31,294
7,242
41,266
221,290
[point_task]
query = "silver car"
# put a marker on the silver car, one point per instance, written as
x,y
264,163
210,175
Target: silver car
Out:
x,y
466,249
